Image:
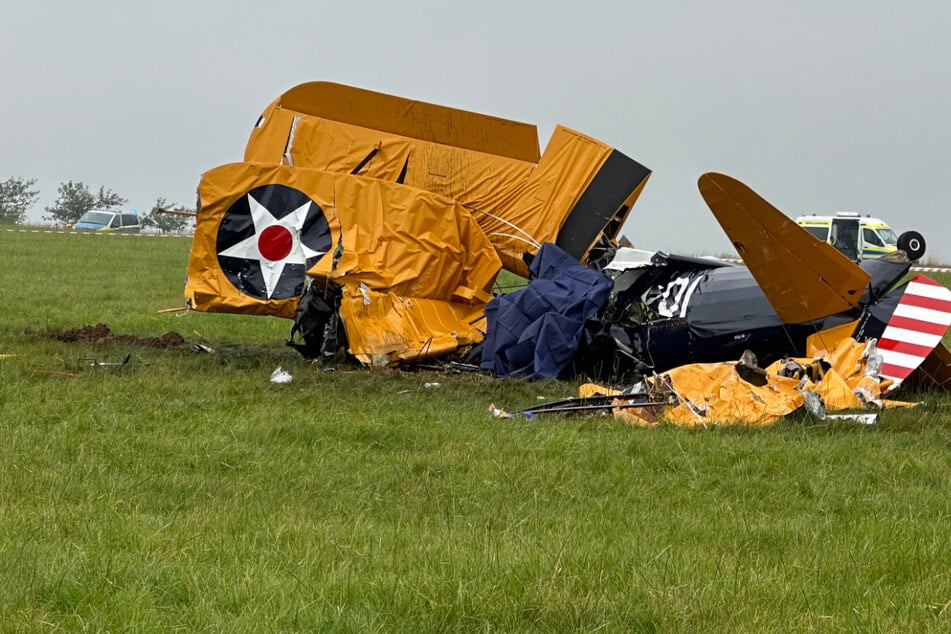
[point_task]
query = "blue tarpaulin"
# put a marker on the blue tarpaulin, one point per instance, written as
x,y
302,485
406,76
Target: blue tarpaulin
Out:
x,y
534,332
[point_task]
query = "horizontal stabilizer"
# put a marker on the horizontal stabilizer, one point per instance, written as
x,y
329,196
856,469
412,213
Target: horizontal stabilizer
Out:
x,y
803,278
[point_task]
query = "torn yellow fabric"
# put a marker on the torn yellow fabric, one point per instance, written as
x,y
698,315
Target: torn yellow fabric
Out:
x,y
386,328
587,390
820,343
715,394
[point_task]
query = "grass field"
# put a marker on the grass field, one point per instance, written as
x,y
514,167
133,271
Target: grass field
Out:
x,y
187,492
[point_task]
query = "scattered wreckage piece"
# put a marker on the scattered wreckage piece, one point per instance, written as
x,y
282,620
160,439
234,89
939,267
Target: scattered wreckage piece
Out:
x,y
584,406
594,399
599,403
862,419
281,376
718,394
394,216
115,365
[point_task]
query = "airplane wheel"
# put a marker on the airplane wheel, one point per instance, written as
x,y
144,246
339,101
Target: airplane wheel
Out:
x,y
912,243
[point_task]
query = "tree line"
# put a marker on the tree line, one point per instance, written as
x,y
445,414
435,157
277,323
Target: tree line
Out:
x,y
17,196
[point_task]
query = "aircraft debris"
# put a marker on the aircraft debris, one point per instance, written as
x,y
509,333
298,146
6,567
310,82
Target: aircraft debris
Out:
x,y
665,311
125,363
378,224
595,404
498,413
381,223
729,393
864,419
281,376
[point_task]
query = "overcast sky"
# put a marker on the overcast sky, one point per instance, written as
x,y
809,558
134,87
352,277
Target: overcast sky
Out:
x,y
819,106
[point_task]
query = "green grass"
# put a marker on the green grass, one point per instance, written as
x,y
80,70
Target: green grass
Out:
x,y
189,493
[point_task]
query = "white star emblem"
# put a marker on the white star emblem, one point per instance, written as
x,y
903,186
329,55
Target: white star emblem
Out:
x,y
275,243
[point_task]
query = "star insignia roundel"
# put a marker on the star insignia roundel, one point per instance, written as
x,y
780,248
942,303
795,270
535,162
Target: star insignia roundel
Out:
x,y
269,238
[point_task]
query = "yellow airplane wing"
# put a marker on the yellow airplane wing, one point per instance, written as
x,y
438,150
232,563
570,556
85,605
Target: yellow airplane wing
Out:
x,y
803,277
414,268
577,190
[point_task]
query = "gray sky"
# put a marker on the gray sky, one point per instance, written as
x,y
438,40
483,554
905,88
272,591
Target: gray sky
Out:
x,y
819,106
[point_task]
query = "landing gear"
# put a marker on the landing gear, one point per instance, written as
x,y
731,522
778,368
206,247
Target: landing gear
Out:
x,y
912,243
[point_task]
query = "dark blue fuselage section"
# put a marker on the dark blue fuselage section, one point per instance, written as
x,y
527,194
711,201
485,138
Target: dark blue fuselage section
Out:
x,y
727,314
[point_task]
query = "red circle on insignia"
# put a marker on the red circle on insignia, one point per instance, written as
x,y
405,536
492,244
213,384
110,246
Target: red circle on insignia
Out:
x,y
275,243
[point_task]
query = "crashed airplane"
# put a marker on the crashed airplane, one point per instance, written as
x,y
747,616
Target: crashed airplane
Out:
x,y
397,215
379,224
654,311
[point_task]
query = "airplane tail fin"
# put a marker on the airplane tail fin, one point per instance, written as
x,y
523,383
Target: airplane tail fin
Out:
x,y
914,332
803,278
934,373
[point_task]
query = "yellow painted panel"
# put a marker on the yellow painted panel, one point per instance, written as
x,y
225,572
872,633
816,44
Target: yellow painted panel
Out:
x,y
803,277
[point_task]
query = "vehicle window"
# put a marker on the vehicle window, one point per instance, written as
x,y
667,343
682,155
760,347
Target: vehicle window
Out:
x,y
129,220
98,217
820,232
871,237
888,236
115,221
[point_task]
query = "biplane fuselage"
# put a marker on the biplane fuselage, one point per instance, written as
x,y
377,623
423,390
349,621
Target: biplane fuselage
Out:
x,y
675,310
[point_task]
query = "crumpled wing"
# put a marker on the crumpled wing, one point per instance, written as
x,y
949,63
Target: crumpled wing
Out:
x,y
803,278
415,268
579,189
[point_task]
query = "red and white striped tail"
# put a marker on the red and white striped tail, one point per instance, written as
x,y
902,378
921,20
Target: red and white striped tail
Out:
x,y
919,322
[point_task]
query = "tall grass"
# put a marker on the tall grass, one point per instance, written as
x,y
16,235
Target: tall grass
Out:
x,y
187,492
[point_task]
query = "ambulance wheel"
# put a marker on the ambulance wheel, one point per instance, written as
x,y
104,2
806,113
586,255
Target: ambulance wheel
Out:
x,y
912,243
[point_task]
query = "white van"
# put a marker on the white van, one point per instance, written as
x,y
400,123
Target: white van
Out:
x,y
861,237
108,221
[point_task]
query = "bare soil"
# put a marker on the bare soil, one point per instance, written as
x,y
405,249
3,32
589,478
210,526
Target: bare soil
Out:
x,y
100,333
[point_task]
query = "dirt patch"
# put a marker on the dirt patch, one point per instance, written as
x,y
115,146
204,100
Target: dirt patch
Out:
x,y
100,333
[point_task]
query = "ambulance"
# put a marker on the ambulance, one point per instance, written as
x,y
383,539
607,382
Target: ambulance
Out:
x,y
862,237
